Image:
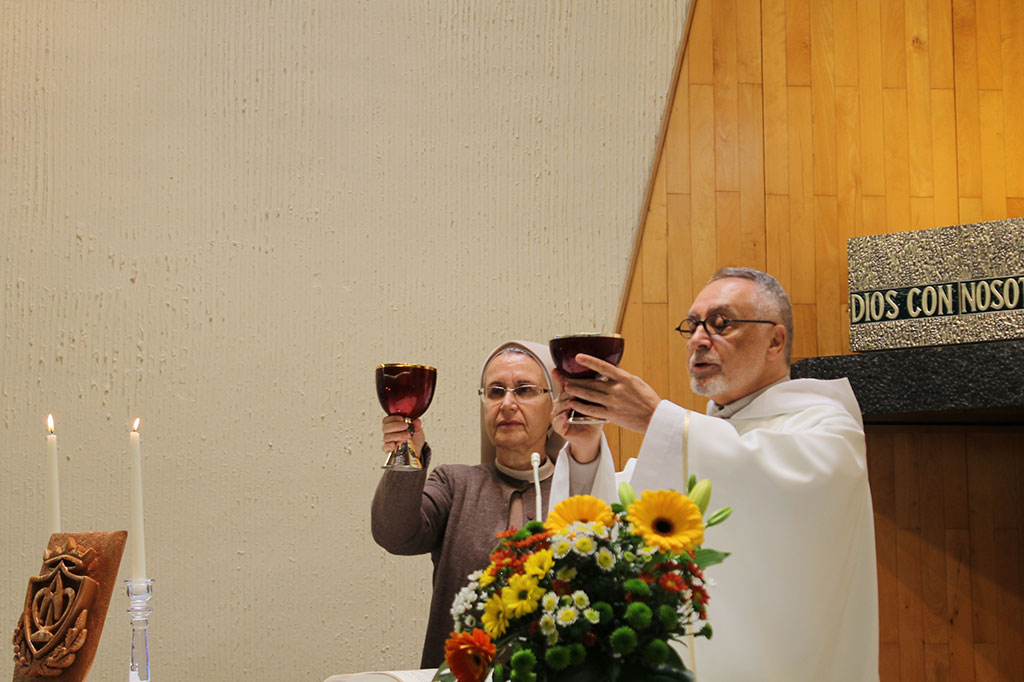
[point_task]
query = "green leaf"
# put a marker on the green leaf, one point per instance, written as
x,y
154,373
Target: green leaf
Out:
x,y
719,516
709,557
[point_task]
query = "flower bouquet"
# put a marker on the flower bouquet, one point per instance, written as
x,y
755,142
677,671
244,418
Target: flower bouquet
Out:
x,y
593,594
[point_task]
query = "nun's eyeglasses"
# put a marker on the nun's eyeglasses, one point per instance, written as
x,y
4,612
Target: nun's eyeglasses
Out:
x,y
522,393
714,325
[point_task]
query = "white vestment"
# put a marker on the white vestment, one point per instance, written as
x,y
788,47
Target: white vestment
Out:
x,y
797,599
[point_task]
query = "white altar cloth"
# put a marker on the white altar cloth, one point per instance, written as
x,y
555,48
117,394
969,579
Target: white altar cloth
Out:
x,y
424,675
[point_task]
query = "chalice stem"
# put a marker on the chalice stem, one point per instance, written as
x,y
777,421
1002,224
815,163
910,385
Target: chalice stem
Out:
x,y
405,455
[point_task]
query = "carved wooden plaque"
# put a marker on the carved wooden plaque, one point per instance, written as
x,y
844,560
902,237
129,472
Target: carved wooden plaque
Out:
x,y
66,605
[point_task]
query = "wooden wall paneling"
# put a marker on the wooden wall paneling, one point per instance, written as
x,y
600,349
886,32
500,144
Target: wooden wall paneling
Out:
x,y
971,210
727,173
869,56
993,150
1007,455
699,47
748,41
940,43
823,99
989,42
981,480
1014,207
776,145
844,14
894,53
831,327
752,183
805,331
801,195
958,605
881,478
703,238
919,100
654,245
922,213
874,215
933,550
777,238
677,138
656,348
943,109
1012,16
727,219
897,159
907,480
849,212
965,71
680,285
798,42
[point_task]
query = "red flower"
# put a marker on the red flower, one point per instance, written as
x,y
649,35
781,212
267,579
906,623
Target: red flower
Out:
x,y
469,655
589,639
671,582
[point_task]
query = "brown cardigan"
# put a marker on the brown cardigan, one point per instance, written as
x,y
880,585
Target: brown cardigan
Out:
x,y
455,514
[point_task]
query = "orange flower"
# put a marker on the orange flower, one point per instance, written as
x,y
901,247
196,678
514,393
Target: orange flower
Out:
x,y
469,655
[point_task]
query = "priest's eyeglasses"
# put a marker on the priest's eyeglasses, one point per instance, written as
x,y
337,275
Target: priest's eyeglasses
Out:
x,y
714,325
522,393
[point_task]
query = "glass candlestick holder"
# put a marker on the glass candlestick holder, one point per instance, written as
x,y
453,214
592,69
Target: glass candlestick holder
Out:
x,y
140,591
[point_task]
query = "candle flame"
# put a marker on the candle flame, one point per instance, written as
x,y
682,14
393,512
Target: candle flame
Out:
x,y
49,422
135,426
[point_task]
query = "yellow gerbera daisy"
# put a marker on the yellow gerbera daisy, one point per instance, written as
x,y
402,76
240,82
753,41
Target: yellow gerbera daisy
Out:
x,y
539,563
667,520
582,508
495,618
522,595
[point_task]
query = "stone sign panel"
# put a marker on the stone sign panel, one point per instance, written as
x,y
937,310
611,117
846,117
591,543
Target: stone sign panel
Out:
x,y
947,285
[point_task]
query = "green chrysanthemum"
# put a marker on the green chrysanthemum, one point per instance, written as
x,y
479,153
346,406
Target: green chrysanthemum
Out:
x,y
623,640
637,587
523,660
656,652
557,657
638,615
668,616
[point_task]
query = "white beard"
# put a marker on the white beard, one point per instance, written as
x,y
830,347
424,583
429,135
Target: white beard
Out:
x,y
714,385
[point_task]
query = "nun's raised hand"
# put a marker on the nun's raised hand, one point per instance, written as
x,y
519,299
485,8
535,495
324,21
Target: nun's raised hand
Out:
x,y
396,431
584,439
621,398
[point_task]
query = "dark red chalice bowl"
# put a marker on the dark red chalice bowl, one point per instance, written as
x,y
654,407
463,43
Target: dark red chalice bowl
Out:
x,y
607,347
405,390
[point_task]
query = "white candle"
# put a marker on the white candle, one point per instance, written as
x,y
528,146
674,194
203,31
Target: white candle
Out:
x,y
52,480
136,536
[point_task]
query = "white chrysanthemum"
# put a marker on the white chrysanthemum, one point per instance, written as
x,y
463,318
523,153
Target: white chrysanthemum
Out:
x,y
475,575
567,615
560,547
592,616
605,559
547,623
549,601
463,601
566,573
470,621
600,530
584,545
553,638
580,599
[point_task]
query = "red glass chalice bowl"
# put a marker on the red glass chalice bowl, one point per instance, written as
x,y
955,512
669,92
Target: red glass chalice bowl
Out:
x,y
607,347
405,390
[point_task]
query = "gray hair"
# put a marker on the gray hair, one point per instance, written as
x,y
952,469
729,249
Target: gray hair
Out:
x,y
774,303
521,351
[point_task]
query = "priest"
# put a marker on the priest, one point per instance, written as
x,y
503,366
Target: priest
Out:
x,y
797,598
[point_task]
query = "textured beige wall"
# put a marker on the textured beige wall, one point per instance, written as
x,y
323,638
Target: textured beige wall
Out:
x,y
220,216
